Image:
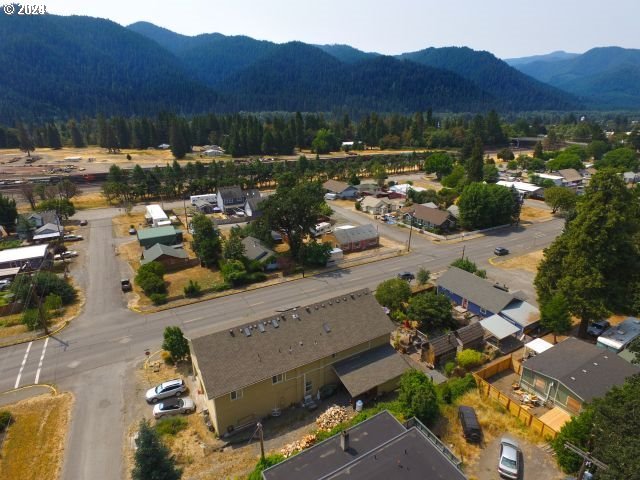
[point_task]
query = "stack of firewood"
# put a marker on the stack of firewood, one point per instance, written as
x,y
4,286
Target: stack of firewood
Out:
x,y
333,416
298,445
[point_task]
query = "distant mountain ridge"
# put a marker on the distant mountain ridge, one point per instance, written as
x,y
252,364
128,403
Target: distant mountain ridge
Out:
x,y
547,57
57,67
607,77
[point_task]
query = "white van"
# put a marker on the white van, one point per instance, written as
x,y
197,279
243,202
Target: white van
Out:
x,y
330,196
320,229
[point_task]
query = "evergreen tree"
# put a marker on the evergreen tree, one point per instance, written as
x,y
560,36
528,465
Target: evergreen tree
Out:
x,y
53,137
179,147
152,460
475,163
77,140
537,151
8,212
554,315
26,142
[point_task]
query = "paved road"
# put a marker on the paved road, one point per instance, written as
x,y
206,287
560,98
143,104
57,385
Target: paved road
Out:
x,y
91,357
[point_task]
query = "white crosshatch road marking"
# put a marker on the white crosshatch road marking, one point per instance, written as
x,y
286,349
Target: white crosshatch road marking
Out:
x,y
44,349
24,361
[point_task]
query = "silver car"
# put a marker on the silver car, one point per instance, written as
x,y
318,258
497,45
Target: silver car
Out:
x,y
509,464
173,406
167,389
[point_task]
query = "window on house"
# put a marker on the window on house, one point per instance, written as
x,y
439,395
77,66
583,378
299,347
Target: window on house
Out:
x,y
236,395
540,384
308,387
483,311
277,378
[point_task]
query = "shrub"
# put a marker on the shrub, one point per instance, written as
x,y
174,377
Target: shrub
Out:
x,y
423,276
53,304
256,277
31,319
192,290
358,206
158,298
418,396
5,420
42,284
448,368
234,272
171,426
269,461
220,287
469,358
150,278
460,386
167,358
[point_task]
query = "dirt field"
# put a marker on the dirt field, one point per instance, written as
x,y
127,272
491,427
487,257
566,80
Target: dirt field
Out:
x,y
528,262
532,214
35,442
85,201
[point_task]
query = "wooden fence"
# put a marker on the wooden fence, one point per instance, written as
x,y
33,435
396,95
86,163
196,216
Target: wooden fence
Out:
x,y
511,405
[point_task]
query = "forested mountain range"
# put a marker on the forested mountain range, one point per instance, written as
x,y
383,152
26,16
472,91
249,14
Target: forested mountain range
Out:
x,y
547,57
607,77
57,67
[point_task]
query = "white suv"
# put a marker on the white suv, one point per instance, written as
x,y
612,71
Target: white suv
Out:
x,y
167,389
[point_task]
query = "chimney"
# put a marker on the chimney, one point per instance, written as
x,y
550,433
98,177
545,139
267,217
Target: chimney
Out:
x,y
344,441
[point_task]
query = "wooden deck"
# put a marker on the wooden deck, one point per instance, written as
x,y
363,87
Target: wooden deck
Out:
x,y
555,418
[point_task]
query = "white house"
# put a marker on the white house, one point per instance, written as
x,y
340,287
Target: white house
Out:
x,y
156,217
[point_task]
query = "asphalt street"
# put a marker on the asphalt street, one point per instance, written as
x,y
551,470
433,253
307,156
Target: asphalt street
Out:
x,y
92,356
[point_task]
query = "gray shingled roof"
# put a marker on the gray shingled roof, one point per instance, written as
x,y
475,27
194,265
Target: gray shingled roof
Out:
x,y
230,362
443,344
255,250
431,215
362,373
475,289
158,250
583,368
335,186
470,333
570,174
355,234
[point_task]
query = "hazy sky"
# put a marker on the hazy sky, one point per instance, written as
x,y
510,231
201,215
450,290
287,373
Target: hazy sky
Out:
x,y
507,28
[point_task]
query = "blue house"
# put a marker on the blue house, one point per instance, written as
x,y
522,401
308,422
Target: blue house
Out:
x,y
483,299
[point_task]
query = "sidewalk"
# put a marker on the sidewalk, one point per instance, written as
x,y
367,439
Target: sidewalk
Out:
x,y
13,396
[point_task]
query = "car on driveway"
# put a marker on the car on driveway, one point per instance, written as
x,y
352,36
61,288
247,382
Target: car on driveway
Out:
x,y
510,462
173,406
171,388
72,238
500,251
408,276
597,328
132,231
125,285
5,284
470,425
67,254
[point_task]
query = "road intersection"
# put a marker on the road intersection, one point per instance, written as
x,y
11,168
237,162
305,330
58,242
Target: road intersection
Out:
x,y
91,358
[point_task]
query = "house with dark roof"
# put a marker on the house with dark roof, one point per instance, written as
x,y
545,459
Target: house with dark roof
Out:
x,y
571,178
439,350
202,205
260,367
482,298
428,218
49,232
254,249
252,206
574,372
341,189
380,447
27,223
353,239
230,198
172,257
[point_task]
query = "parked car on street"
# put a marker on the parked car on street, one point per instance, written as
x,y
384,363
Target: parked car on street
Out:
x,y
132,231
171,388
5,284
173,407
72,238
597,328
510,461
125,284
67,254
500,251
470,426
408,276
83,223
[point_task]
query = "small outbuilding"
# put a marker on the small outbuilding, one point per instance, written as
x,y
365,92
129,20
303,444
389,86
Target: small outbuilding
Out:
x,y
356,238
168,235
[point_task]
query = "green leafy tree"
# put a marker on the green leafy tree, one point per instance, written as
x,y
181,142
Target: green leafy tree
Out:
x,y
62,207
468,266
8,212
506,154
324,142
152,459
595,262
234,272
206,241
379,173
560,199
150,278
621,159
423,276
40,285
432,310
233,248
68,189
538,151
455,179
439,163
418,397
393,293
490,174
469,358
554,315
475,163
597,149
565,160
316,254
293,210
485,205
175,343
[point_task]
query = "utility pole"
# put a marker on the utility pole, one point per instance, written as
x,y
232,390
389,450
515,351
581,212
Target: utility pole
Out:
x,y
42,315
410,231
586,458
261,433
186,219
463,247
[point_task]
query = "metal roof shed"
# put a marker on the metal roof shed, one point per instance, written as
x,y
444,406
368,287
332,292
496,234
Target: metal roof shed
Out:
x,y
498,327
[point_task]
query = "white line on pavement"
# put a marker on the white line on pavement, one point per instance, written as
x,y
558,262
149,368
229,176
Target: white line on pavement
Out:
x,y
44,348
24,361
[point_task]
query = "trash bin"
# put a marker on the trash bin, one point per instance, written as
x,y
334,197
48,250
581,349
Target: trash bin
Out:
x,y
359,405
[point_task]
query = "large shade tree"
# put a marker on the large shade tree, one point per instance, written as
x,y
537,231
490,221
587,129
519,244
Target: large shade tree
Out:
x,y
595,262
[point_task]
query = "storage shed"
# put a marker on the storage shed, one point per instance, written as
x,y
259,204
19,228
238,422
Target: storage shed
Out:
x,y
168,235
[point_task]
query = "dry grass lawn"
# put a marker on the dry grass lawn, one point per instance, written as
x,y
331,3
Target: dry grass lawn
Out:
x,y
34,446
533,214
85,201
494,419
121,223
180,279
528,262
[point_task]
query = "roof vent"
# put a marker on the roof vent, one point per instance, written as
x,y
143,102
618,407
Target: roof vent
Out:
x,y
231,333
290,349
353,297
261,328
264,322
337,300
275,324
283,317
308,310
344,298
300,342
595,364
329,302
584,371
323,305
606,357
247,332
295,316
572,378
317,307
326,327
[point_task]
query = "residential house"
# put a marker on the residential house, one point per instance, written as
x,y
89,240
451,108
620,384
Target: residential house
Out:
x,y
202,205
571,178
525,189
428,218
148,237
618,337
631,177
482,298
429,205
368,188
454,210
261,367
231,198
356,238
38,219
252,206
556,179
156,216
26,258
340,189
172,257
255,250
375,206
574,372
49,232
378,448
214,151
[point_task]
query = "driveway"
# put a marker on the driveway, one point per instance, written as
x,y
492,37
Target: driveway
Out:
x,y
538,463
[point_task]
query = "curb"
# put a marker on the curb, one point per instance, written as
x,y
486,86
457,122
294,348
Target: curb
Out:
x,y
25,387
492,262
310,274
35,339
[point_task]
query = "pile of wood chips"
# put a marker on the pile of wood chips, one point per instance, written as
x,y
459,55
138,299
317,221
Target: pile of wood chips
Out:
x,y
332,417
298,445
